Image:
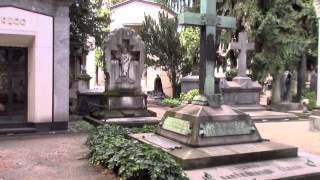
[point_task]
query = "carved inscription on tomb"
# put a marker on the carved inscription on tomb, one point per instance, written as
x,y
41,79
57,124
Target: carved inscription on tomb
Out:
x,y
12,21
211,129
177,125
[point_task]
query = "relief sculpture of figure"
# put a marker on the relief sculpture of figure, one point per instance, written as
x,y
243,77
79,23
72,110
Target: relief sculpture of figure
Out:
x,y
124,63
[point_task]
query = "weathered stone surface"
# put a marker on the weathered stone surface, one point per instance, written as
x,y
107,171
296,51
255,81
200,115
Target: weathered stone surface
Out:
x,y
271,116
286,106
189,82
314,123
241,90
195,158
208,126
127,102
125,121
125,55
302,168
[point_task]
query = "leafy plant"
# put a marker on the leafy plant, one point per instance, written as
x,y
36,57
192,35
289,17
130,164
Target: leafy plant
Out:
x,y
189,96
312,99
172,102
131,159
230,74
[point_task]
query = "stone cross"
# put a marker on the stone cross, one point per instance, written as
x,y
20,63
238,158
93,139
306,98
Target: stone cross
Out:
x,y
243,45
209,21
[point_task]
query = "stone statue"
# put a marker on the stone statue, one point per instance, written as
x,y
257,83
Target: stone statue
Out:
x,y
158,90
124,62
286,86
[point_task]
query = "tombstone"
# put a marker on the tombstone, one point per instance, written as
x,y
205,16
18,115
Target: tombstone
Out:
x,y
241,91
189,82
123,98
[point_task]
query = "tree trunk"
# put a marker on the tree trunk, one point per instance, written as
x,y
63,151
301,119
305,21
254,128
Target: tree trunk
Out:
x,y
301,76
276,88
174,84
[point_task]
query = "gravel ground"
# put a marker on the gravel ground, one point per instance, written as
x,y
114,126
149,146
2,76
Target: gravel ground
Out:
x,y
47,157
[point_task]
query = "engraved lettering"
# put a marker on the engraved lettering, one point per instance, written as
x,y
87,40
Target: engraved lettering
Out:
x,y
12,21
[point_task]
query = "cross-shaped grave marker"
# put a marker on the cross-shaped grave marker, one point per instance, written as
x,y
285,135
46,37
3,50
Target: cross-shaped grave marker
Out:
x,y
209,21
243,45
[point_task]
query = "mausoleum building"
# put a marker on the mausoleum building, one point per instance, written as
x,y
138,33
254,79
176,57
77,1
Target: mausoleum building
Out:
x,y
34,64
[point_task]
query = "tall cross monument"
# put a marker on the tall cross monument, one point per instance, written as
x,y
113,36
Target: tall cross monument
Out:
x,y
243,45
209,21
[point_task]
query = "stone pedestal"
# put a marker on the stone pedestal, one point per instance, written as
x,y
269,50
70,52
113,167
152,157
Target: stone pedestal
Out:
x,y
123,103
189,82
197,126
241,91
314,123
81,84
286,106
192,82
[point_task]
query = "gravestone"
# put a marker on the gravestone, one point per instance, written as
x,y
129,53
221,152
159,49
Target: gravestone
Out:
x,y
205,133
241,91
123,98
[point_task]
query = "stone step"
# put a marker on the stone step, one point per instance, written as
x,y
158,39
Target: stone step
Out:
x,y
250,108
193,158
20,130
299,168
271,116
15,125
132,121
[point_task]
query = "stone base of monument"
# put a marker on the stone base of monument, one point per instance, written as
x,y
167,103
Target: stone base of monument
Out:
x,y
271,116
286,106
241,91
314,123
214,137
246,108
304,167
201,157
129,122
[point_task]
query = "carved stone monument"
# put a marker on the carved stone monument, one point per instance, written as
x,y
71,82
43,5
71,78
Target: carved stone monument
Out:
x,y
125,55
241,90
205,133
124,101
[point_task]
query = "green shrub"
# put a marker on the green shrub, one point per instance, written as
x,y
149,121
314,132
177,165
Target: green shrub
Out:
x,y
172,102
131,159
230,74
312,99
189,96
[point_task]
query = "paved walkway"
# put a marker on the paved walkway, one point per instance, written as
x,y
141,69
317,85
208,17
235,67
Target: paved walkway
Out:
x,y
47,157
292,133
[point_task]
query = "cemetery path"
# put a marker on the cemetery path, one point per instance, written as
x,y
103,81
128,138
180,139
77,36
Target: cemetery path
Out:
x,y
47,157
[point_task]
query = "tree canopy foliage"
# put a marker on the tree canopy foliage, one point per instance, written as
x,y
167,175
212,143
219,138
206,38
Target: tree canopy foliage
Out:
x,y
164,49
89,19
283,30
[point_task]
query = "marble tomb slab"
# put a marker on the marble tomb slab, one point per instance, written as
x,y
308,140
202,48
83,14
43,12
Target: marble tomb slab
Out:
x,y
191,158
302,168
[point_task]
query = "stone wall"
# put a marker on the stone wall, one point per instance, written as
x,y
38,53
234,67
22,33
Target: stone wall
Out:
x,y
59,9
